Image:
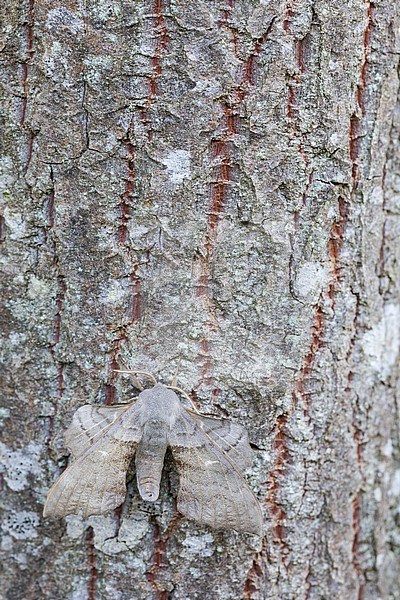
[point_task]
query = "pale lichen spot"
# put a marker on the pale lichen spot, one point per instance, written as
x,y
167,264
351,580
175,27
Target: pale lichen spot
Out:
x,y
178,165
15,224
63,19
376,196
202,545
382,342
115,292
387,449
207,87
395,484
310,279
133,530
4,414
107,10
37,288
6,176
17,465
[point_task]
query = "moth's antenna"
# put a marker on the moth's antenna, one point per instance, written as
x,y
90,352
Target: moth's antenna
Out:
x,y
177,389
149,375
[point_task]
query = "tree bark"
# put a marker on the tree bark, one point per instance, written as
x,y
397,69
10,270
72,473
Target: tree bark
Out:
x,y
211,187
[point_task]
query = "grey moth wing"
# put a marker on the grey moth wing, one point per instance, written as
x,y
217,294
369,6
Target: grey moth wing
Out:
x,y
228,436
210,455
102,441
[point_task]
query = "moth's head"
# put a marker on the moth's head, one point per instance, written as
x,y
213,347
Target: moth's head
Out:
x,y
159,390
160,402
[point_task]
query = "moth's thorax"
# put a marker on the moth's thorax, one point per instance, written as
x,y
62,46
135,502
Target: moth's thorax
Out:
x,y
159,405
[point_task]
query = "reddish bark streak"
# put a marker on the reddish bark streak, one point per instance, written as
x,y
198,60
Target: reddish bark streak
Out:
x,y
224,22
158,556
290,103
288,17
354,144
109,394
282,457
255,574
250,63
218,197
366,45
92,563
335,244
118,516
299,49
220,152
248,79
317,328
161,44
135,307
158,563
60,381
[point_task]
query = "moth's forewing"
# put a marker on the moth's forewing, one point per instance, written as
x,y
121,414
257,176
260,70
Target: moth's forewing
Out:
x,y
103,441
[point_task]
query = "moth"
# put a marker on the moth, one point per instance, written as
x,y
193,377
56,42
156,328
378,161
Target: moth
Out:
x,y
210,455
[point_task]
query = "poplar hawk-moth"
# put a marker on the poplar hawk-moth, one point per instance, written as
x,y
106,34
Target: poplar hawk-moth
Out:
x,y
210,455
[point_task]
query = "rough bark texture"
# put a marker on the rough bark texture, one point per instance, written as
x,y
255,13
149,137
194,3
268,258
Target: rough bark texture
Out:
x,y
213,185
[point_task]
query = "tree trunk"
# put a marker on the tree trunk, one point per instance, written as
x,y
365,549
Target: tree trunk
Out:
x,y
210,187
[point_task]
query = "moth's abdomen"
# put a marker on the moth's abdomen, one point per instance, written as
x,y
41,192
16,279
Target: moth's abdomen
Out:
x,y
150,459
149,488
